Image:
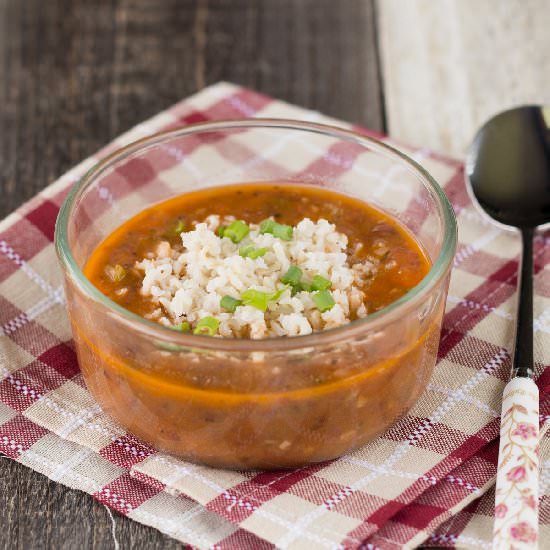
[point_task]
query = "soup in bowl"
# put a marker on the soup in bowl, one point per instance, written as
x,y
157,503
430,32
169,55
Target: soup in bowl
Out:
x,y
257,293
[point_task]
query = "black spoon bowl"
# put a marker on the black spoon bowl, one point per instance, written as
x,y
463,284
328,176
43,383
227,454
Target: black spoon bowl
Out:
x,y
508,171
508,167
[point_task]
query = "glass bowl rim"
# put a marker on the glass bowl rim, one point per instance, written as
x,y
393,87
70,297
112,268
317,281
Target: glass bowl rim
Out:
x,y
161,334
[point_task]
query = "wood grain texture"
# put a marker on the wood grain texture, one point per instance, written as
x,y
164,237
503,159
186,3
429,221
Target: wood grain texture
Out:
x,y
452,64
74,74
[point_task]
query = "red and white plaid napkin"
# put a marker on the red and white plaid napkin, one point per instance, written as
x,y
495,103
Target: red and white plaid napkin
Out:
x,y
427,479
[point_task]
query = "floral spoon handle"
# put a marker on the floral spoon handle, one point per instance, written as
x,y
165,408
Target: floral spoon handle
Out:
x,y
516,501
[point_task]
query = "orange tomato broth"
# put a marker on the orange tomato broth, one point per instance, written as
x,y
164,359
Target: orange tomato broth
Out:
x,y
362,223
195,404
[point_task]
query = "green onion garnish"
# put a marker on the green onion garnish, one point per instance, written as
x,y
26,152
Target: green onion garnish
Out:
x,y
259,299
229,303
255,298
323,300
267,226
276,295
320,283
249,251
221,230
292,276
184,326
257,253
207,326
283,232
302,286
279,230
116,273
245,250
236,231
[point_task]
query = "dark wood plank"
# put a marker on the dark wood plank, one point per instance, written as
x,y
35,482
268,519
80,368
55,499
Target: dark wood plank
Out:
x,y
74,74
38,513
319,54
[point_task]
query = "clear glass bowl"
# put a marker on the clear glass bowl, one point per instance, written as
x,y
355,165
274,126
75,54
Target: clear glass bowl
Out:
x,y
274,403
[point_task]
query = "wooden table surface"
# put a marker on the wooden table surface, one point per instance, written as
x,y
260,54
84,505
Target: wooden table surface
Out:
x,y
76,73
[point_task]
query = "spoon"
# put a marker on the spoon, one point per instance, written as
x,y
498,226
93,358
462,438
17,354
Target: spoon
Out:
x,y
508,170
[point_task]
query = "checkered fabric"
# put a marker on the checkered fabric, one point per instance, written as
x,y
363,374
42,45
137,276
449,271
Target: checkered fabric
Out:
x,y
427,479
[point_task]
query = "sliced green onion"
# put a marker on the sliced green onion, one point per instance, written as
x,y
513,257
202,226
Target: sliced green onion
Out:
x,y
283,232
229,303
302,286
256,298
276,295
295,290
116,273
207,326
279,230
323,300
320,283
245,250
292,276
236,231
184,326
221,230
249,251
257,253
267,226
259,299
